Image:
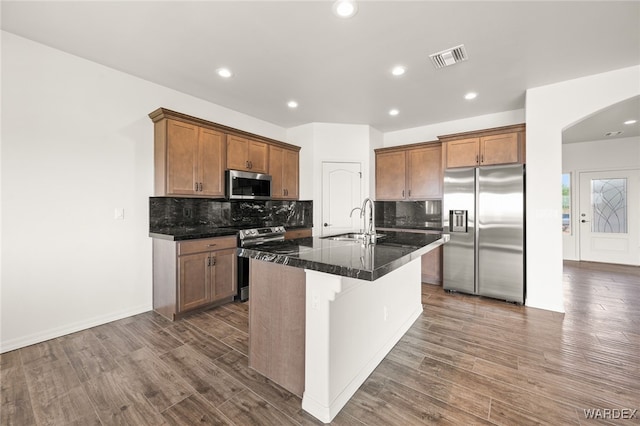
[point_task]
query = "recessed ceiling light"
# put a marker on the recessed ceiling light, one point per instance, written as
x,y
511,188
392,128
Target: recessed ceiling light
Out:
x,y
631,122
398,70
292,104
224,72
345,8
394,112
470,95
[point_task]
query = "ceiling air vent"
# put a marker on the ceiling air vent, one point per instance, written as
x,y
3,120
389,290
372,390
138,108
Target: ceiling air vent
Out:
x,y
449,57
612,134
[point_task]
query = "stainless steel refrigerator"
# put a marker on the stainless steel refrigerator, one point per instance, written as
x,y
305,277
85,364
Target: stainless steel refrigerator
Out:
x,y
483,212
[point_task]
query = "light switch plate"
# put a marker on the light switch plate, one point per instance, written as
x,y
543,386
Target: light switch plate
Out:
x,y
118,213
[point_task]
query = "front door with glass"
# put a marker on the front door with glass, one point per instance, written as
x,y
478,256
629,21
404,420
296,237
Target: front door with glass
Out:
x,y
609,216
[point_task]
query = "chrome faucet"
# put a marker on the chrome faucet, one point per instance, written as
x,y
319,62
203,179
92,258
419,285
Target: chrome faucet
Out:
x,y
370,230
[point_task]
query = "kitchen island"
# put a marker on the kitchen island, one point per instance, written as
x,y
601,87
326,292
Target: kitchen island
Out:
x,y
324,313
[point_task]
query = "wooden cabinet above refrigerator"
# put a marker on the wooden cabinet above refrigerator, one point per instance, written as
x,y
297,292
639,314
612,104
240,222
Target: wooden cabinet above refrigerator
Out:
x,y
500,145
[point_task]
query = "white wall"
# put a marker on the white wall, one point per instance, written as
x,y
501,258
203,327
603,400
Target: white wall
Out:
x,y
332,142
431,132
376,140
611,154
303,136
76,144
549,110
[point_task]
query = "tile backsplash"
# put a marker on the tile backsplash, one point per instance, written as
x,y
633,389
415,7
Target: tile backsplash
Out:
x,y
408,214
167,212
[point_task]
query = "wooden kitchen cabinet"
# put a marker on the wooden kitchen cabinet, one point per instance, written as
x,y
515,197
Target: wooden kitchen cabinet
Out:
x,y
284,171
189,159
391,175
193,274
432,266
298,233
431,262
411,172
192,154
246,154
503,145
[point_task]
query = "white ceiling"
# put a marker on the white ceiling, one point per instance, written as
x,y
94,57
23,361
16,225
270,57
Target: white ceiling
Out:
x,y
339,70
610,119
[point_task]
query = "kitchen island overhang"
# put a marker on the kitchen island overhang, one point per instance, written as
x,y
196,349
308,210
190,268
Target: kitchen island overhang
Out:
x,y
343,304
348,258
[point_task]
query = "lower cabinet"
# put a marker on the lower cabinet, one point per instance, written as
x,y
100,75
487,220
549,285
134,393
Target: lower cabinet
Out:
x,y
298,233
431,262
193,274
432,266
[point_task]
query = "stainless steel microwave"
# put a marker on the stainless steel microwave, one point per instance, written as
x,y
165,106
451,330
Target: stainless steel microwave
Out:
x,y
247,185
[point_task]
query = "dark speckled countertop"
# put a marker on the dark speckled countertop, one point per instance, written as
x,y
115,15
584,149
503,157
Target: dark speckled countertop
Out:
x,y
348,258
180,233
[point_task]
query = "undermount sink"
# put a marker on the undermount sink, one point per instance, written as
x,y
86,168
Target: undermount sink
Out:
x,y
351,236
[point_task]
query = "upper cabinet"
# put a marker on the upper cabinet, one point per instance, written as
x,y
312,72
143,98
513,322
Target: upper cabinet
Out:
x,y
246,154
191,156
410,172
283,168
189,159
502,145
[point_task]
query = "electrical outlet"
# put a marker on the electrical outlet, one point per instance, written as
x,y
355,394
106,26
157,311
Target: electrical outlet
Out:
x,y
118,213
187,212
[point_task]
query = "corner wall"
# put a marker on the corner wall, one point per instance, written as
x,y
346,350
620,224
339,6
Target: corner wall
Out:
x,y
549,110
76,145
329,142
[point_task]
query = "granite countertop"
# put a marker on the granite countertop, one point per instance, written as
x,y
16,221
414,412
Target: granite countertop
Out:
x,y
348,258
180,233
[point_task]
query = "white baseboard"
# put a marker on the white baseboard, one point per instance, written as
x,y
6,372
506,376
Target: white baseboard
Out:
x,y
31,339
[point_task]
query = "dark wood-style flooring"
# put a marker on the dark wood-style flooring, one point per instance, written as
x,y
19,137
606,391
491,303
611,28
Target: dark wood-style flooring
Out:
x,y
467,360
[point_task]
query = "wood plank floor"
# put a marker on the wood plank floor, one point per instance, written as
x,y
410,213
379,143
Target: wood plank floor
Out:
x,y
467,360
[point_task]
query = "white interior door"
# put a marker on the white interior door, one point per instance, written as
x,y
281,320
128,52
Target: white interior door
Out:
x,y
609,216
341,192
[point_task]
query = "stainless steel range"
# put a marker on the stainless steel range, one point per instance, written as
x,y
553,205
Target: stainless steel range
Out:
x,y
251,238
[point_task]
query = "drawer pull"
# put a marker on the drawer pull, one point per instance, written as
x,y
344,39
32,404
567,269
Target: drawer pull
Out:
x,y
211,245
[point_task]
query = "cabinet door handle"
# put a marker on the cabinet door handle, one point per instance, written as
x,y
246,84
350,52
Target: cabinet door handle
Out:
x,y
196,187
409,193
476,158
246,164
209,261
251,164
403,193
213,261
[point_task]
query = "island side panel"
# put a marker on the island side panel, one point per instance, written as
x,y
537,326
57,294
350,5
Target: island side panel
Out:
x,y
277,323
351,326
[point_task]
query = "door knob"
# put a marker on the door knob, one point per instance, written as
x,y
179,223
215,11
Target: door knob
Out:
x,y
584,221
327,224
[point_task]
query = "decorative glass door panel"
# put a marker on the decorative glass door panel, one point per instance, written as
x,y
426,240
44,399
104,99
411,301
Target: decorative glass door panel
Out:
x,y
609,206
